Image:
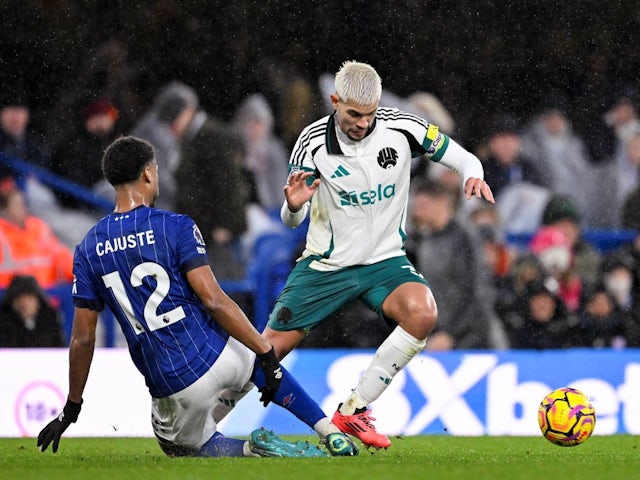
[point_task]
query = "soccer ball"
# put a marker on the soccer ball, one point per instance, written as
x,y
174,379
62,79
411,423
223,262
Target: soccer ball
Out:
x,y
566,417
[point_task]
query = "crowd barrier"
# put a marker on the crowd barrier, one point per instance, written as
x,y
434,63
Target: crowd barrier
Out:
x,y
466,393
23,169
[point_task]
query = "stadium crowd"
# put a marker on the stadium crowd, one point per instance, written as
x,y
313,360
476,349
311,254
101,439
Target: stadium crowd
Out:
x,y
555,290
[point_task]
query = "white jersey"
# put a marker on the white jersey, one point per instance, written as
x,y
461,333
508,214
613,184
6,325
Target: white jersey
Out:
x,y
359,211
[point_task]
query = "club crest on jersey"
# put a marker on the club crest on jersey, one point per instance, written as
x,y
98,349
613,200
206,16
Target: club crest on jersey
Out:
x,y
293,169
197,235
387,158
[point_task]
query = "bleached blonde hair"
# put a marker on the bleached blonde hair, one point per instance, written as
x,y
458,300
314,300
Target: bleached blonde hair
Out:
x,y
358,83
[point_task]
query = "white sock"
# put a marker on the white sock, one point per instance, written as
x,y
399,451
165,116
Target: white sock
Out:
x,y
391,357
246,451
351,404
324,427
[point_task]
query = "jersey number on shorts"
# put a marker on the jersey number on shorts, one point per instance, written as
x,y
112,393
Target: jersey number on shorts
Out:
x,y
153,320
413,270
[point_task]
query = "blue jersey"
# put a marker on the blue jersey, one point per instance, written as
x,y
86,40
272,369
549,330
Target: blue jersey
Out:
x,y
135,263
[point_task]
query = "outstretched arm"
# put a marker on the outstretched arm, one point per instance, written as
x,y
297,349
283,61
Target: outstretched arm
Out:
x,y
81,347
467,165
228,314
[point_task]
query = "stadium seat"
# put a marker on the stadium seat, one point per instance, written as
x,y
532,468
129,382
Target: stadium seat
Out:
x,y
602,239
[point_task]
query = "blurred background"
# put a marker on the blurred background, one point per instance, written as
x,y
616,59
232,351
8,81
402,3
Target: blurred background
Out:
x,y
544,93
478,57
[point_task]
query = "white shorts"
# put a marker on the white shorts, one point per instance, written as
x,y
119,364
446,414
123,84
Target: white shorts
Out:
x,y
186,418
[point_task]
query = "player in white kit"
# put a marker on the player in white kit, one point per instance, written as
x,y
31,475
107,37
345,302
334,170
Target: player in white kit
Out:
x,y
350,171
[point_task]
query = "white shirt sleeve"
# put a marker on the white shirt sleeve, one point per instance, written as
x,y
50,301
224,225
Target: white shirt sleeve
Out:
x,y
293,219
462,161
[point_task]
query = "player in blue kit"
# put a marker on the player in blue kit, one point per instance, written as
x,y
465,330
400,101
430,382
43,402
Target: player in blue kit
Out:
x,y
191,342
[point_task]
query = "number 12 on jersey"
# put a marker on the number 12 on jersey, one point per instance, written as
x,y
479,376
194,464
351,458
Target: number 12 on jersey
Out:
x,y
151,318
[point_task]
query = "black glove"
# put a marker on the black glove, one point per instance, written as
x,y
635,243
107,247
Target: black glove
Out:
x,y
272,373
54,430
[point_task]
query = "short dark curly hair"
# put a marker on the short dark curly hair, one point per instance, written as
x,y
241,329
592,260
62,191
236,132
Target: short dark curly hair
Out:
x,y
124,160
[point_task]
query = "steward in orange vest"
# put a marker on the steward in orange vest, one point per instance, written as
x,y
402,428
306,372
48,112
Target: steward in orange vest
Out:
x,y
28,246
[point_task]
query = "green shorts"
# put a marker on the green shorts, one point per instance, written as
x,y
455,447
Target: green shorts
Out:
x,y
310,296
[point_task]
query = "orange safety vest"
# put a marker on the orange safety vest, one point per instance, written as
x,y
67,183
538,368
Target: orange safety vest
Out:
x,y
33,250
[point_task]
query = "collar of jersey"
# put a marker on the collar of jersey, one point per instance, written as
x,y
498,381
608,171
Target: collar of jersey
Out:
x,y
334,141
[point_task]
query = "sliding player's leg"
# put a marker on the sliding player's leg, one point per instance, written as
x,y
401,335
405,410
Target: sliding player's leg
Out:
x,y
308,411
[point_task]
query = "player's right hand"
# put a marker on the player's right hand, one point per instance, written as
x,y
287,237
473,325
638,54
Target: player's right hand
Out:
x,y
272,373
54,430
297,191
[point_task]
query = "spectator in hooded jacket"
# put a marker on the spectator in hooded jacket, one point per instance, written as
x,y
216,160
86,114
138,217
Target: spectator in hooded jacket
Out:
x,y
27,319
560,154
164,126
265,161
619,174
601,322
542,321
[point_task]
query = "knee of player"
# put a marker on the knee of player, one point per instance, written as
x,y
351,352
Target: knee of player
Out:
x,y
419,317
425,312
428,318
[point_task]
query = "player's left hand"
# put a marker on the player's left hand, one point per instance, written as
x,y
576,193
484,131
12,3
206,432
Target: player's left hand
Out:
x,y
272,373
479,188
54,430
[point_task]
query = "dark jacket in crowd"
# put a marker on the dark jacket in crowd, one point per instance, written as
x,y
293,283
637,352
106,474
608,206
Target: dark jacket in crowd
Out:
x,y
211,188
452,265
526,332
500,176
46,331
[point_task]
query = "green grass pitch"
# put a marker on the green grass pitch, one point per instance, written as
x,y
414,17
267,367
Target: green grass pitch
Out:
x,y
421,457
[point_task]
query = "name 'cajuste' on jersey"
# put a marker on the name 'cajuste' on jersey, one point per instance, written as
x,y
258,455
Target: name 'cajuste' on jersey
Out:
x,y
135,263
359,211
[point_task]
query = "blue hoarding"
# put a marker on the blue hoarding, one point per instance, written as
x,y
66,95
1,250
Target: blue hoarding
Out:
x,y
464,392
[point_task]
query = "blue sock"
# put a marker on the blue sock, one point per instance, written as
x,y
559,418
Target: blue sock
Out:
x,y
292,397
220,446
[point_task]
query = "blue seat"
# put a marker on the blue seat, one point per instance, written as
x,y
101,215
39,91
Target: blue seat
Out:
x,y
268,271
603,240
